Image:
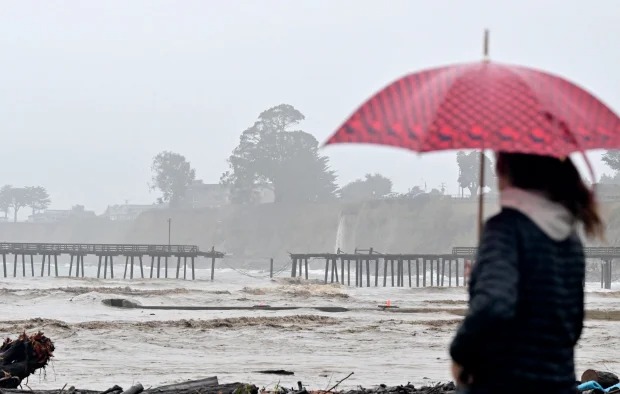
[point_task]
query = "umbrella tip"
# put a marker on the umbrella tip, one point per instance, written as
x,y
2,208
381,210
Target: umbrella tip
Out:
x,y
485,52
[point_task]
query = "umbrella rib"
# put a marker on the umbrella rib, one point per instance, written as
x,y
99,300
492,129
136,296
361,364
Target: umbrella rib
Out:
x,y
558,129
460,71
543,109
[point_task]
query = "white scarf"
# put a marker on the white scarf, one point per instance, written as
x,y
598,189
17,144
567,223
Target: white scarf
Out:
x,y
551,217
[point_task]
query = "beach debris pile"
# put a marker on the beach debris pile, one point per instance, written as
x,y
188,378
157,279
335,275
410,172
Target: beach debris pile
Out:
x,y
21,357
211,385
598,382
201,386
442,388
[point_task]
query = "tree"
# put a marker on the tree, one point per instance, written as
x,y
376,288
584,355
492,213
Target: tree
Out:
x,y
414,191
6,200
19,199
172,175
37,198
469,170
372,187
270,154
612,159
435,192
610,179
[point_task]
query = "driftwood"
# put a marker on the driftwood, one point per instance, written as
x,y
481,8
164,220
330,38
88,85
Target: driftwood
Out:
x,y
232,388
605,379
340,382
276,372
70,390
21,357
189,385
113,390
447,388
135,389
203,386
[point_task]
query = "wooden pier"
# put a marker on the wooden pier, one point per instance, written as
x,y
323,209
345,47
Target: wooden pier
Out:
x,y
396,270
605,254
415,270
133,254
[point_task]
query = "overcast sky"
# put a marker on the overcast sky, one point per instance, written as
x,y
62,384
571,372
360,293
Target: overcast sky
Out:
x,y
90,91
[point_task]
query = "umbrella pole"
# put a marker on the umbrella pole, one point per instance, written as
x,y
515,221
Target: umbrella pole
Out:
x,y
485,53
481,196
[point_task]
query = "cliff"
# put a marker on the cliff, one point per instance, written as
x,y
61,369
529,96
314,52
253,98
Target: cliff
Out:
x,y
421,225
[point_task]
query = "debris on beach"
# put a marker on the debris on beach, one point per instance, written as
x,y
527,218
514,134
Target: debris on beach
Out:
x,y
593,381
201,386
21,357
276,372
211,385
444,388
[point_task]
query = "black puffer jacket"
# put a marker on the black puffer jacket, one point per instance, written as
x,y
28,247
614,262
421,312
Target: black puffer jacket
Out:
x,y
526,310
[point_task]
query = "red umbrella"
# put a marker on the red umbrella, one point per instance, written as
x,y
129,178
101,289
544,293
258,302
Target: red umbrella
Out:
x,y
484,105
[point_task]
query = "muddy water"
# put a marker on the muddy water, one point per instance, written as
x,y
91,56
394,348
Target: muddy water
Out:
x,y
99,346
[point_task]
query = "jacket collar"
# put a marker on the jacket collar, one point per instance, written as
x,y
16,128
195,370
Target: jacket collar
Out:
x,y
551,217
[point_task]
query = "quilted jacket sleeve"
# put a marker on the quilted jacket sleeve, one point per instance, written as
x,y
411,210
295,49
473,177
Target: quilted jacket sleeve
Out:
x,y
493,291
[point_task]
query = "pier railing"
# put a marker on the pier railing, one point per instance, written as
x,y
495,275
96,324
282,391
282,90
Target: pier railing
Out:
x,y
603,252
119,249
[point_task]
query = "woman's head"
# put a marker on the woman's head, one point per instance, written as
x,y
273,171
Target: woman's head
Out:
x,y
557,179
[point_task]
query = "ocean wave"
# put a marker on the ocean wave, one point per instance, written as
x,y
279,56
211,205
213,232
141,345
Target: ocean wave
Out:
x,y
295,322
613,293
300,288
401,325
447,302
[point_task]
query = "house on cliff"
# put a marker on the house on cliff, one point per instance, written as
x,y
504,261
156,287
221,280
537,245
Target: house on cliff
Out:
x,y
207,195
126,212
59,215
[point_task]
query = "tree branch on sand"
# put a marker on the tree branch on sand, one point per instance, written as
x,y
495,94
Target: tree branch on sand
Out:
x,y
21,357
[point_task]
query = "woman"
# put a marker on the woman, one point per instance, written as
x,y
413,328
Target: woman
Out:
x,y
526,289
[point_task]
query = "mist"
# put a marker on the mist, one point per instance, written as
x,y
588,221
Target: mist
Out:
x,y
91,92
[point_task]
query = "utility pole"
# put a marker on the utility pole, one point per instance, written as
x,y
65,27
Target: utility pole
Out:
x,y
169,231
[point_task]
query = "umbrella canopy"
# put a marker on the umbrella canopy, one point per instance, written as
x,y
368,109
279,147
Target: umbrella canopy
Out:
x,y
484,105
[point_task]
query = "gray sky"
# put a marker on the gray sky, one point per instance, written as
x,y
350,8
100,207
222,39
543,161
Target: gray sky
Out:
x,y
90,91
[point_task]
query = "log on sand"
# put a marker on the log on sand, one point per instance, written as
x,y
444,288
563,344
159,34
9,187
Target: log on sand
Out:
x,y
189,385
605,379
202,386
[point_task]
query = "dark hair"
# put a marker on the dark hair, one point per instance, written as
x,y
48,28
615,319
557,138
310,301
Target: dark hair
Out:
x,y
559,180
